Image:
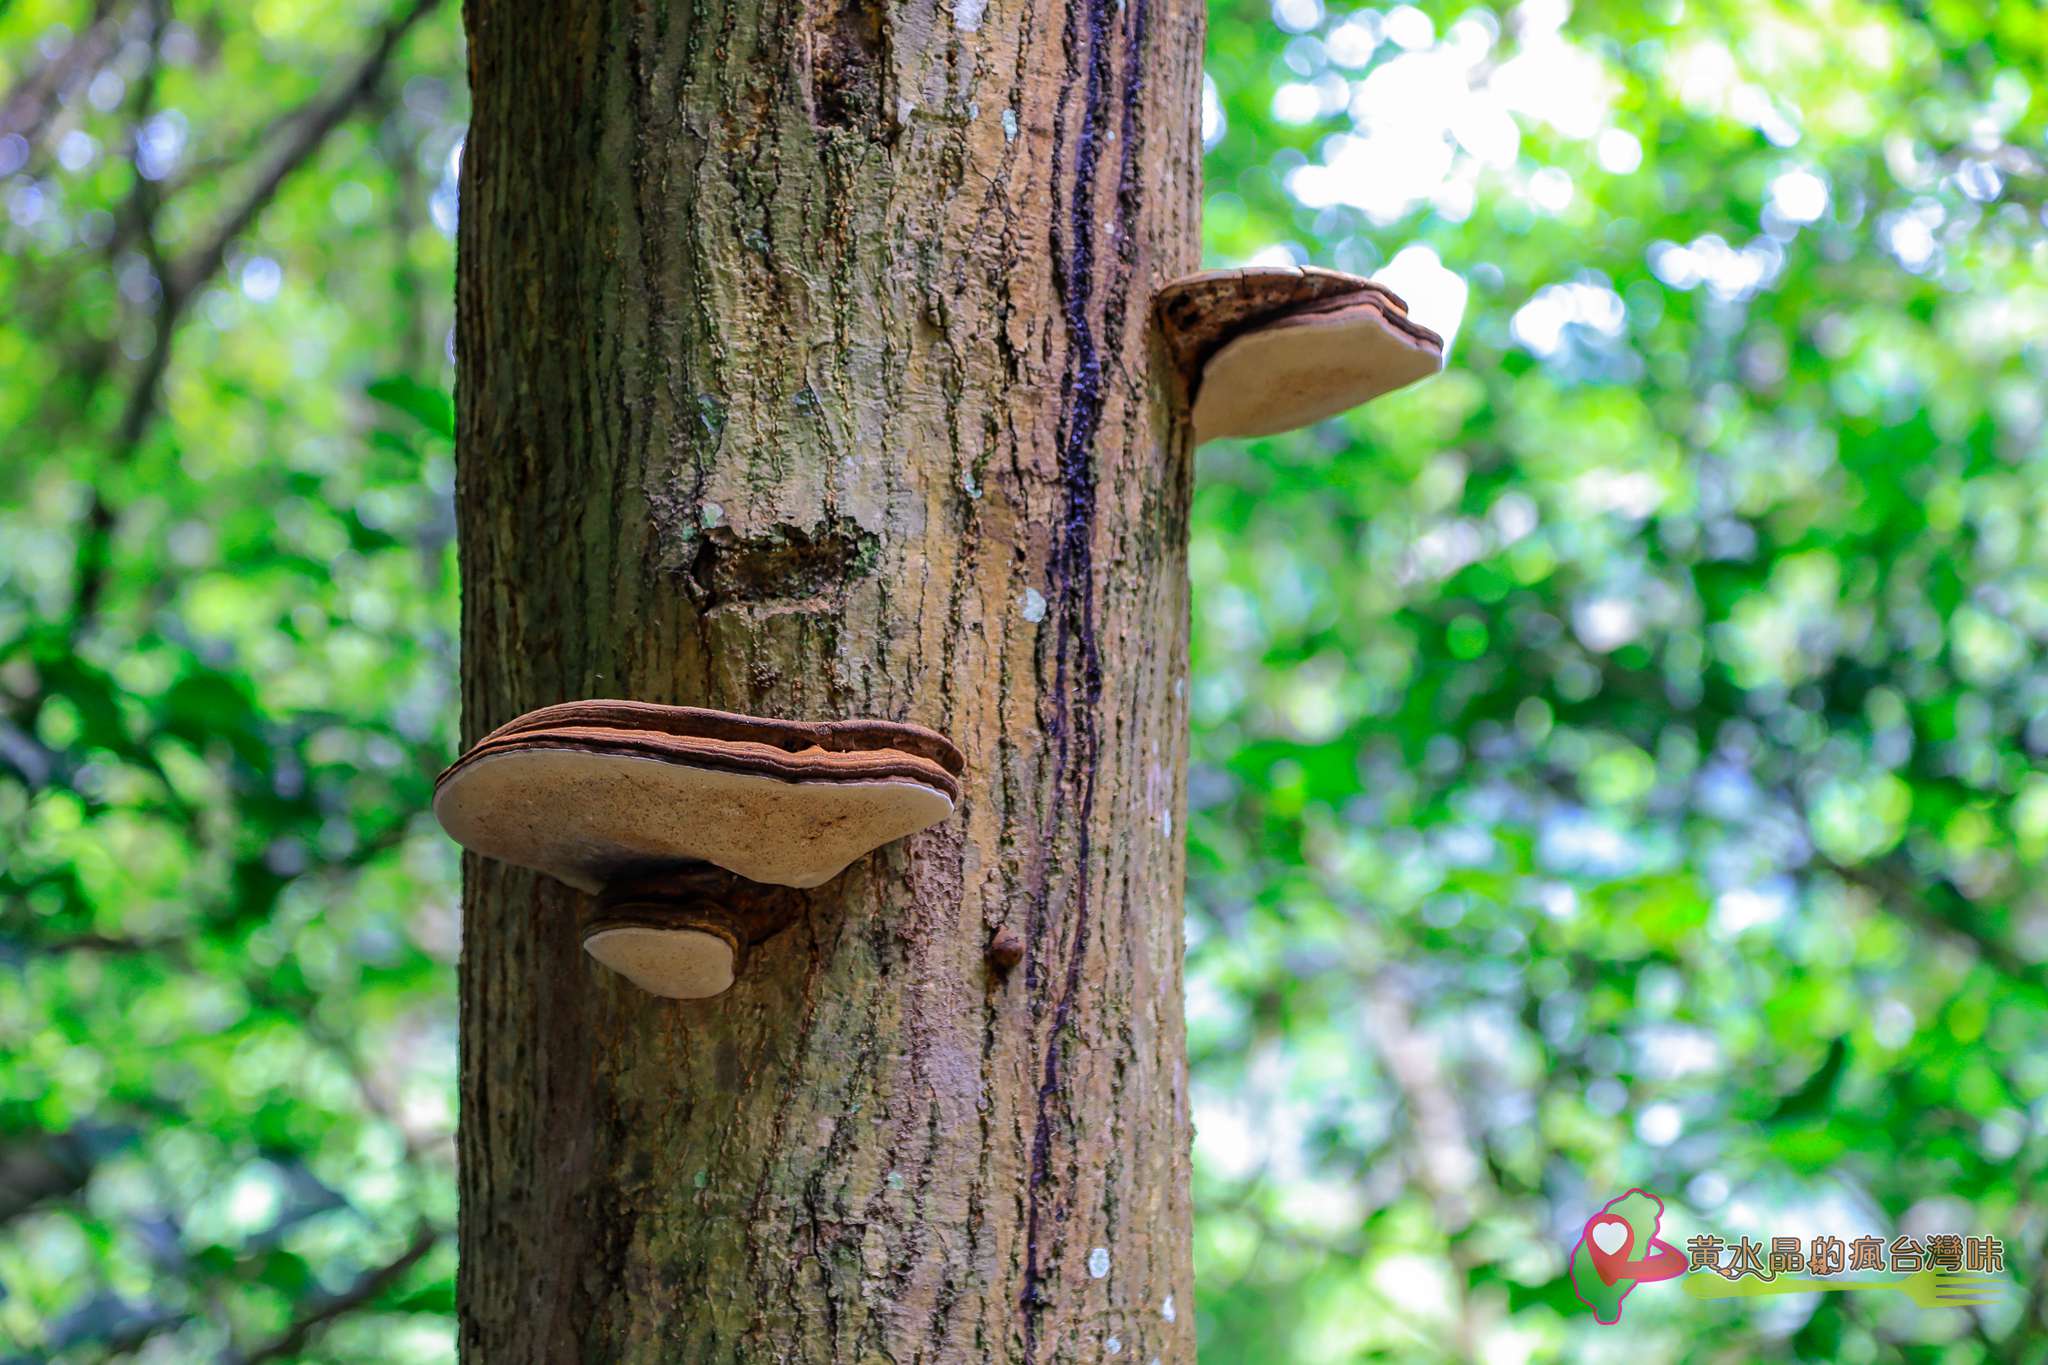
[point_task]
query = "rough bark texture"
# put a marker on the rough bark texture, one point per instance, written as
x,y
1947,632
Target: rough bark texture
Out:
x,y
806,370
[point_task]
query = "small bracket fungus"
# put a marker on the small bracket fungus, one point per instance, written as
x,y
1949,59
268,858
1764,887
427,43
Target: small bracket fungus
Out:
x,y
646,803
1266,349
685,934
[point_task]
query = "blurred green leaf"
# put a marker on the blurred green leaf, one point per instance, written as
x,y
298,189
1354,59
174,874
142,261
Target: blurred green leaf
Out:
x,y
432,407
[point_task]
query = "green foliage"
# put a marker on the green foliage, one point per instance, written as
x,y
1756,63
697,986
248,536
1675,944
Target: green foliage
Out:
x,y
1617,760
227,927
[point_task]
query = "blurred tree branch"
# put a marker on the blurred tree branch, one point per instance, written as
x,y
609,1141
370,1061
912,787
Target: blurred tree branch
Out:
x,y
311,126
26,110
179,282
1443,1162
325,1310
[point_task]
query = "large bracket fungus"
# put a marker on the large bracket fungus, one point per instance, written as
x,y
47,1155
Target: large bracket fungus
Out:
x,y
686,818
1266,349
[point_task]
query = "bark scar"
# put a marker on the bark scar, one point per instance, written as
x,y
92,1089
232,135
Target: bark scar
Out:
x,y
849,56
782,563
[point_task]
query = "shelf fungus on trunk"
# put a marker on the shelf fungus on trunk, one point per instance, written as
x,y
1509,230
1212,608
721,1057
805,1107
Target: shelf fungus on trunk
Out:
x,y
687,819
1266,349
685,934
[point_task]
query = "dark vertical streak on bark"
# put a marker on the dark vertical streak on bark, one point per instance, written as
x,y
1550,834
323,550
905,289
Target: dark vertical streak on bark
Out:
x,y
1073,727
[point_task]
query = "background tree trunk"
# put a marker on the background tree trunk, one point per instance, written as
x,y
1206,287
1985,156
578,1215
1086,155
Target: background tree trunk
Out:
x,y
806,370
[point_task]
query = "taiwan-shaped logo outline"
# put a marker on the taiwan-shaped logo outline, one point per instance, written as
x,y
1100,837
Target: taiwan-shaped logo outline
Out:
x,y
1617,1250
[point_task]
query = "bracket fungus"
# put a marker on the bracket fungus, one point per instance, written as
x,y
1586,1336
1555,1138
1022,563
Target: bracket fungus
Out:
x,y
685,934
684,818
1266,349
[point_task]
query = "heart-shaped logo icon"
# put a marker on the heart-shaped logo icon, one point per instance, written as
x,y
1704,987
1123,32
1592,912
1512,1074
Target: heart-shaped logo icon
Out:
x,y
1611,1235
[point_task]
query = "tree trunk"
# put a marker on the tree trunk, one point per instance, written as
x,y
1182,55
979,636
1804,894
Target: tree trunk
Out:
x,y
806,370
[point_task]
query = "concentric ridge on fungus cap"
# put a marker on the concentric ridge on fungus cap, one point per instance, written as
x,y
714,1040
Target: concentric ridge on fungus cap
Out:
x,y
1199,313
696,722
780,761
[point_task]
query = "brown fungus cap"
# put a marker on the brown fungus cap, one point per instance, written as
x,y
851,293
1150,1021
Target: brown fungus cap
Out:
x,y
590,792
1266,349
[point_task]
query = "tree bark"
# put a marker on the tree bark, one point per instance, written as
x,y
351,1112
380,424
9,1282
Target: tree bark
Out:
x,y
806,369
